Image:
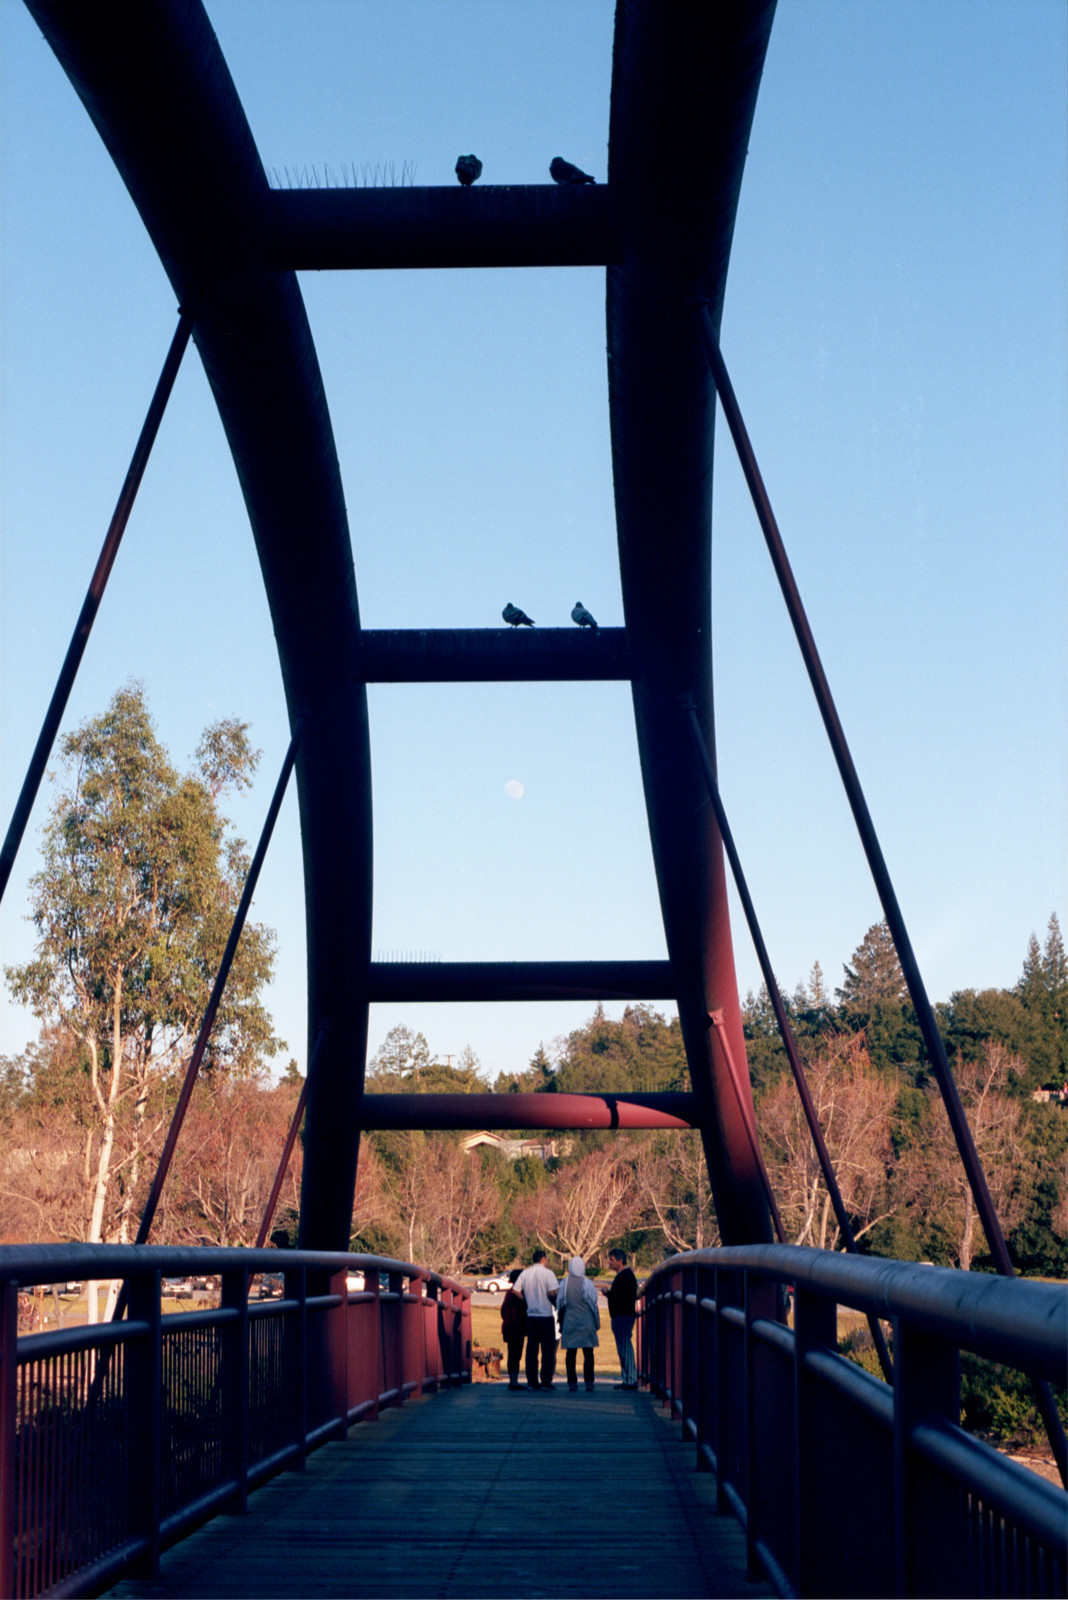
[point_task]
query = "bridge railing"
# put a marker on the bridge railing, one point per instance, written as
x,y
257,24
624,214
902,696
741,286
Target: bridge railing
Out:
x,y
845,1485
116,1439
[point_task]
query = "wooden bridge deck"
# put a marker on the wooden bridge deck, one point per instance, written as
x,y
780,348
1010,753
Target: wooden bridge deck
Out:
x,y
479,1492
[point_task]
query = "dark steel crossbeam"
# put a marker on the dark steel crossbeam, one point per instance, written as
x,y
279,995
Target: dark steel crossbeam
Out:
x,y
491,655
409,981
521,225
471,1111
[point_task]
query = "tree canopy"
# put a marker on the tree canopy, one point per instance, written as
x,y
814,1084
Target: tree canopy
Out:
x,y
132,907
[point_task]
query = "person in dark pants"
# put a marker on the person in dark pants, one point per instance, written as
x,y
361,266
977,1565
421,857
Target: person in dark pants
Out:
x,y
579,1321
538,1286
622,1310
513,1328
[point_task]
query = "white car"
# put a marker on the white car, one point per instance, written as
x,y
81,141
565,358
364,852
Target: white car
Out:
x,y
493,1285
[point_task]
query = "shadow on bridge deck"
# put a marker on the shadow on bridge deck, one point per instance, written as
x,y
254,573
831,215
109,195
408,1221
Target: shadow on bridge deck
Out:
x,y
479,1492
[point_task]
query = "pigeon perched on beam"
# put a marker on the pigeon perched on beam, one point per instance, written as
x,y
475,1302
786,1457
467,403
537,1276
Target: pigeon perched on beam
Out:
x,y
516,618
468,170
561,171
584,618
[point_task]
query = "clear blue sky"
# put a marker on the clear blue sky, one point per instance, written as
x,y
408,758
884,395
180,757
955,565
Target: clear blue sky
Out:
x,y
895,325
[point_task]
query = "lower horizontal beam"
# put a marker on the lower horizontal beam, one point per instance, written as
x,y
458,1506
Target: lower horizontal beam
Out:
x,y
474,1111
411,981
491,655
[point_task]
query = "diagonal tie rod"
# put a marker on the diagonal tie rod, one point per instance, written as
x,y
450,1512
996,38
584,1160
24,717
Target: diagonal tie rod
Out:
x,y
91,604
932,1039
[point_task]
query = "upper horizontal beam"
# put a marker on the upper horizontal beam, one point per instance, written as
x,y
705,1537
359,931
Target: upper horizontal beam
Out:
x,y
520,225
491,655
409,981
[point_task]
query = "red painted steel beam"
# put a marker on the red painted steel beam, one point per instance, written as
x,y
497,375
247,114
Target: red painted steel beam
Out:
x,y
471,1111
491,655
489,225
153,80
408,981
684,89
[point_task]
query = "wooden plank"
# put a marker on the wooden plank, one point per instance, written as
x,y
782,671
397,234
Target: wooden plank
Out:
x,y
480,1492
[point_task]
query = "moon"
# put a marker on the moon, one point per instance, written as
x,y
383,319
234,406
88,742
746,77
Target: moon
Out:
x,y
514,789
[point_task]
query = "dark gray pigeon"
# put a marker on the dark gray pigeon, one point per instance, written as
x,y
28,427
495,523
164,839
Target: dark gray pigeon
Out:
x,y
468,170
584,618
561,171
516,618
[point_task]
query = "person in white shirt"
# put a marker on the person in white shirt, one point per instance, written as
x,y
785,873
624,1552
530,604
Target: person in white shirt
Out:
x,y
538,1286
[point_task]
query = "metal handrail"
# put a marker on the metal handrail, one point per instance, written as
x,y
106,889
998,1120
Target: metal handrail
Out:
x,y
781,1416
116,1439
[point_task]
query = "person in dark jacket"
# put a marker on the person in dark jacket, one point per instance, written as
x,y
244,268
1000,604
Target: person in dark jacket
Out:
x,y
622,1309
513,1328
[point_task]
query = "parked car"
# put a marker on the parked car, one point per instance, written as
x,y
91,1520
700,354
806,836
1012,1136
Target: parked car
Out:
x,y
495,1284
355,1283
177,1288
267,1286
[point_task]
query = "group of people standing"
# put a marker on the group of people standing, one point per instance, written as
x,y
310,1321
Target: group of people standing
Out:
x,y
537,1301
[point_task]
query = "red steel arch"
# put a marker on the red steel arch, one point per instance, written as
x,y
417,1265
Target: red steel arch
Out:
x,y
684,87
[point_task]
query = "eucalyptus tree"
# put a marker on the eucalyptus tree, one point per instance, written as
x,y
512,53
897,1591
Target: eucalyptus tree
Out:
x,y
132,907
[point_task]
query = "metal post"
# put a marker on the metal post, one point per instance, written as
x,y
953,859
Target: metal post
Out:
x,y
91,604
815,1328
873,851
926,1387
9,1327
785,1031
234,1363
143,1408
296,1346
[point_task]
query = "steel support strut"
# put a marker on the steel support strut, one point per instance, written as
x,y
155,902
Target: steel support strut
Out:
x,y
932,1039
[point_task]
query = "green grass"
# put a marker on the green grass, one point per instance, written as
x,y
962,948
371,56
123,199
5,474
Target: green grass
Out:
x,y
486,1331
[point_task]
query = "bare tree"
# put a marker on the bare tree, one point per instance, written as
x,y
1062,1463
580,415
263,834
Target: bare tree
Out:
x,y
854,1103
441,1196
585,1203
994,1118
671,1177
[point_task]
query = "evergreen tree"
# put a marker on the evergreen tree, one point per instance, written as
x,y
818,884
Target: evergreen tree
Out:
x,y
1032,982
1043,992
874,972
133,907
818,997
1054,962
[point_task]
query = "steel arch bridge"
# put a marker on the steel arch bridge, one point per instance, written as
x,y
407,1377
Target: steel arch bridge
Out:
x,y
713,1340
684,89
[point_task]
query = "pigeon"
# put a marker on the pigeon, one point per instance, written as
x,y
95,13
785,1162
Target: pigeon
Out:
x,y
561,171
584,618
468,170
516,618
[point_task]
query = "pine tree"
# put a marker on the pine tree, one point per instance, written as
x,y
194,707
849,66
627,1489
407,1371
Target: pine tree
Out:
x,y
1032,982
818,998
874,973
1054,963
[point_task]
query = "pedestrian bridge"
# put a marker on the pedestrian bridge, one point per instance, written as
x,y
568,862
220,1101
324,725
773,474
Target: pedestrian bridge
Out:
x,y
757,1459
332,1435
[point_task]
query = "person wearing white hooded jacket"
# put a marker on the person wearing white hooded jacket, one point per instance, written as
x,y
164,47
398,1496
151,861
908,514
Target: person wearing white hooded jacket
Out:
x,y
576,1307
